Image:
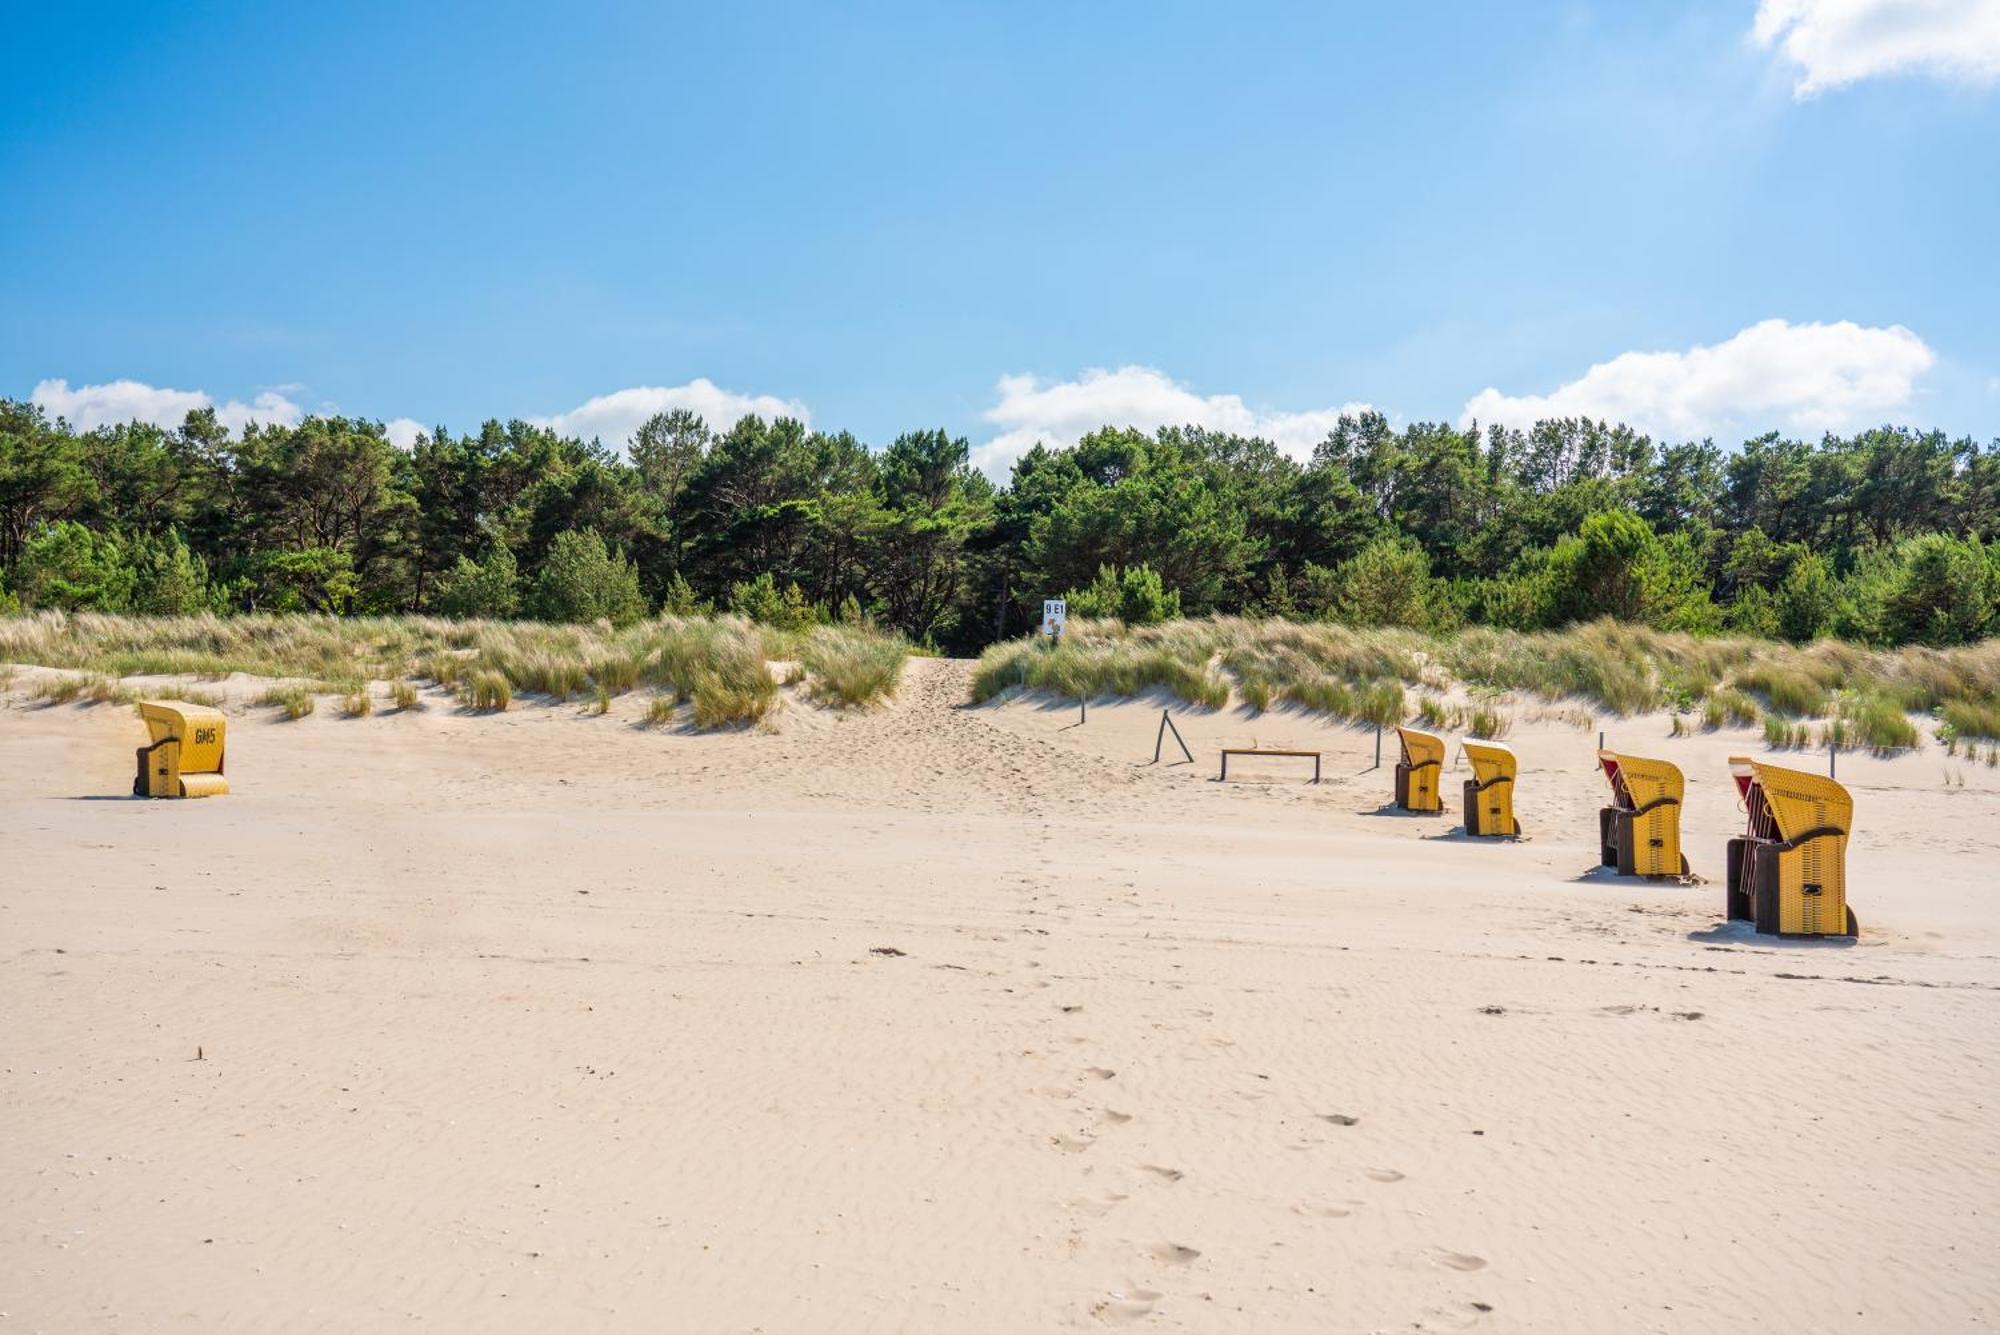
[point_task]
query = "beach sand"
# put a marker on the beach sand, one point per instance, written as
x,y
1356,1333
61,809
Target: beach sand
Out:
x,y
939,1018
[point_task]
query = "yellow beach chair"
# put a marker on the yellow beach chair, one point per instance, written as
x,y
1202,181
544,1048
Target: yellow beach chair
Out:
x,y
1788,873
1417,774
1489,793
185,758
1641,831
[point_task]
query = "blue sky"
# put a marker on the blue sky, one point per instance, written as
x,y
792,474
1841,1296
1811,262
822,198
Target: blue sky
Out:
x,y
1007,219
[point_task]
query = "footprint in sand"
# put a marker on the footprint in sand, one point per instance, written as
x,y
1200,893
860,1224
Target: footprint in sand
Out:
x,y
1433,1258
1098,1072
1069,1144
1097,1209
1173,1253
1165,1174
1385,1175
1340,1211
1119,1308
1112,1117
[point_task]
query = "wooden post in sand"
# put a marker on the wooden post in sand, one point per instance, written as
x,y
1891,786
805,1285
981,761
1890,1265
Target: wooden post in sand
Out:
x,y
1378,744
1832,753
1160,739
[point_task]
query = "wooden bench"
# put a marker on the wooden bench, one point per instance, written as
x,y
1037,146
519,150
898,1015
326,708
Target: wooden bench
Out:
x,y
1229,751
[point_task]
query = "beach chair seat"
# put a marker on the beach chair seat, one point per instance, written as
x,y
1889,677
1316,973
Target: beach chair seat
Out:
x,y
184,758
1489,793
1418,773
1640,832
1787,872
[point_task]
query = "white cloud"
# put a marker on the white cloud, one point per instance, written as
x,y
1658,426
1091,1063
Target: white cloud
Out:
x,y
613,417
1837,42
88,407
1773,375
1059,412
403,431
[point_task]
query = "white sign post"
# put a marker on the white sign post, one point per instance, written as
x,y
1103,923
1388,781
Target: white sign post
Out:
x,y
1055,612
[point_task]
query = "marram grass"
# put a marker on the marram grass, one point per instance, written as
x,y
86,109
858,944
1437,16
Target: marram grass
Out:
x,y
1866,697
720,665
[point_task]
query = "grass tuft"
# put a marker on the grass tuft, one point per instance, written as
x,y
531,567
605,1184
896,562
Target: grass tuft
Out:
x,y
849,667
488,691
295,701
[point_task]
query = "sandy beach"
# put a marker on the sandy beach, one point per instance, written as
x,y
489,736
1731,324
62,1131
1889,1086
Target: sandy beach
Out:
x,y
953,1018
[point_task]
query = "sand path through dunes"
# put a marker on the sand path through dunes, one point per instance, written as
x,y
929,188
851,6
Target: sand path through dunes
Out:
x,y
944,1018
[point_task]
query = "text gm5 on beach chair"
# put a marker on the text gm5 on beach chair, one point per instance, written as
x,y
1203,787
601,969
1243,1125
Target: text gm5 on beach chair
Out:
x,y
1489,793
1641,830
1418,773
1788,873
185,758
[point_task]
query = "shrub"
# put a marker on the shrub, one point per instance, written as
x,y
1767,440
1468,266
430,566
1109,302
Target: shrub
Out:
x,y
1615,566
485,589
1943,592
1806,600
1387,583
581,581
1134,595
680,599
65,565
171,580
762,601
318,579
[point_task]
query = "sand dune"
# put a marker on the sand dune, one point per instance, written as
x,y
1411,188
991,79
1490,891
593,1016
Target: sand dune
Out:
x,y
942,1018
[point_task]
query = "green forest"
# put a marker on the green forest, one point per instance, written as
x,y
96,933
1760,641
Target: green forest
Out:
x,y
1886,537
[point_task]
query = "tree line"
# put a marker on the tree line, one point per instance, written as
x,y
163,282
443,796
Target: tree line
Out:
x,y
1888,536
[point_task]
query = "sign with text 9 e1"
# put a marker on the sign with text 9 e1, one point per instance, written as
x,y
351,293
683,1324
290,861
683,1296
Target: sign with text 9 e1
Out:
x,y
1055,611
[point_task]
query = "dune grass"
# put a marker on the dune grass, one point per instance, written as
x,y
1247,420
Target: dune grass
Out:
x,y
1322,668
848,667
1865,697
487,691
296,701
720,665
92,688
